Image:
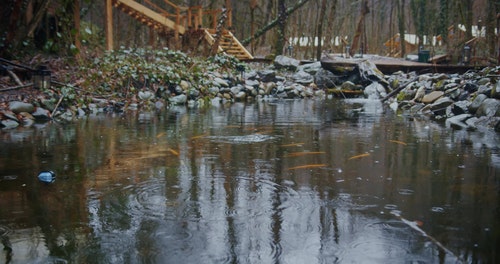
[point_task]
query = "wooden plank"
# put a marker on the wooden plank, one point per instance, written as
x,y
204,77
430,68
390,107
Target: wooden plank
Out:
x,y
389,65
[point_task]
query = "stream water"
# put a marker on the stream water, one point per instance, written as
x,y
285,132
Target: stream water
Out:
x,y
304,181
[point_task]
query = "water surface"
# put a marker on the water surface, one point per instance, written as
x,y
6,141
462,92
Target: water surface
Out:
x,y
305,181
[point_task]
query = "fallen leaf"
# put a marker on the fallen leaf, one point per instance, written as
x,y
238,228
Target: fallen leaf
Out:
x,y
298,154
398,142
359,156
309,166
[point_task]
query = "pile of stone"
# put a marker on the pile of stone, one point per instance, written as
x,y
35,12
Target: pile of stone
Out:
x,y
463,101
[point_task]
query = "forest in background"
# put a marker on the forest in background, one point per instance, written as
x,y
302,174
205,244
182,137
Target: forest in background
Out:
x,y
73,27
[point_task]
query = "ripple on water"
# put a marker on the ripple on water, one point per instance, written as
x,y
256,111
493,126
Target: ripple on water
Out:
x,y
245,139
406,191
358,201
380,242
437,209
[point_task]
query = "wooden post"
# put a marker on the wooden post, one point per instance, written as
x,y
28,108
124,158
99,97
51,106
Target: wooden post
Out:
x,y
200,17
189,18
109,25
177,22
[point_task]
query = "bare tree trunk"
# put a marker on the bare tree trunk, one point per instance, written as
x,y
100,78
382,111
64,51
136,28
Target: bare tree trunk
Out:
x,y
38,17
402,29
467,17
490,27
282,17
253,5
360,27
273,23
320,29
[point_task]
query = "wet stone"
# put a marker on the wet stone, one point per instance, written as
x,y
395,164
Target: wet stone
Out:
x,y
432,97
18,107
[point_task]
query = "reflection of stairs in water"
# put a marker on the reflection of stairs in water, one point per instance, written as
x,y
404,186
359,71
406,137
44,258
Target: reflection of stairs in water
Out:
x,y
158,20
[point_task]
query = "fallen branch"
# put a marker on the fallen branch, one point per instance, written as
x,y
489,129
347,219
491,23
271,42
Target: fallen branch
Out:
x,y
15,78
391,94
57,105
16,87
415,227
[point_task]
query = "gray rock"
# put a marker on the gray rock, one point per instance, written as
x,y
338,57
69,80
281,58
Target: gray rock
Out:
x,y
477,102
179,99
267,75
221,82
483,81
8,123
286,62
458,121
236,89
325,79
369,71
440,105
240,96
432,97
460,107
9,114
496,91
374,91
311,68
253,83
41,114
146,95
251,75
18,107
213,90
485,89
159,105
489,107
303,77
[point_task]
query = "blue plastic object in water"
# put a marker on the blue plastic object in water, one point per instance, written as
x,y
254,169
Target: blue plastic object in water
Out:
x,y
47,176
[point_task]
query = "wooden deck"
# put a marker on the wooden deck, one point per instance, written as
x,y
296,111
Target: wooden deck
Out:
x,y
389,65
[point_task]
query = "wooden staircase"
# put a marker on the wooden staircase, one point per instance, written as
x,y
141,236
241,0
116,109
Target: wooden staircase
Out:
x,y
229,44
158,19
147,16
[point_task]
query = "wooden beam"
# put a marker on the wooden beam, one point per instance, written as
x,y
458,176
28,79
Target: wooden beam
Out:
x,y
109,25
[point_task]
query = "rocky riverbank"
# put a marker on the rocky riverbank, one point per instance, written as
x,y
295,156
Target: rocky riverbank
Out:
x,y
465,101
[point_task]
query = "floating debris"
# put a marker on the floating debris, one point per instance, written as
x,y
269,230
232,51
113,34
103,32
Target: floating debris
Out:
x,y
199,136
359,156
47,176
247,139
293,145
309,166
398,142
298,154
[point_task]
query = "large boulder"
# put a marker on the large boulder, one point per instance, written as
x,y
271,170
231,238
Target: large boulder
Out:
x,y
18,107
286,62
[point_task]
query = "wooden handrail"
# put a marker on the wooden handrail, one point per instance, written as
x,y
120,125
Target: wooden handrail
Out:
x,y
189,17
175,6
